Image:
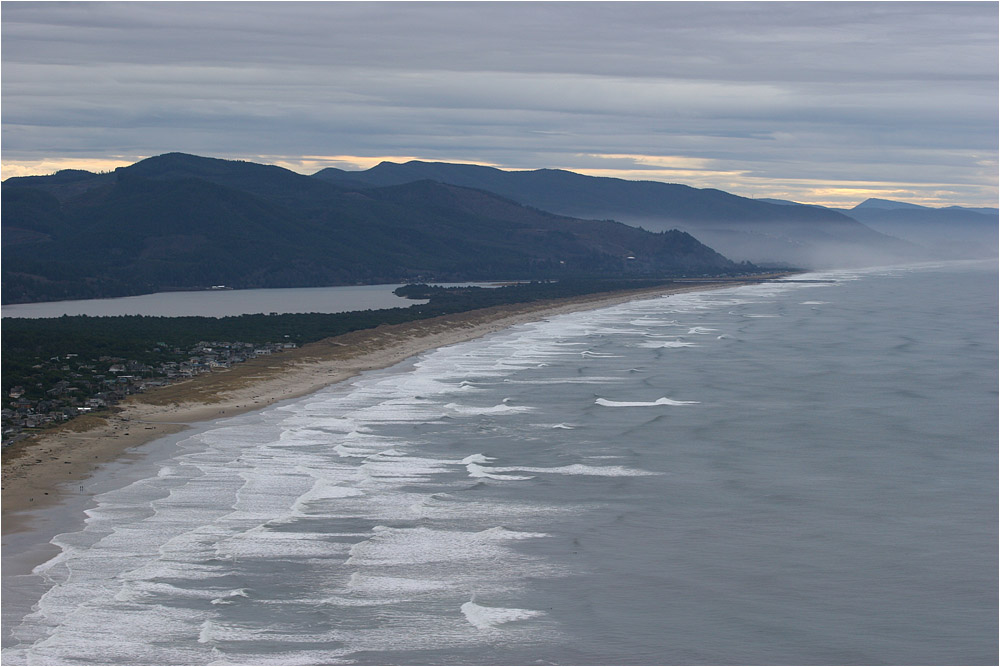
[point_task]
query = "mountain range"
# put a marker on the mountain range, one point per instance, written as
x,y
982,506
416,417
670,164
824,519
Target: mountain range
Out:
x,y
179,221
952,232
742,229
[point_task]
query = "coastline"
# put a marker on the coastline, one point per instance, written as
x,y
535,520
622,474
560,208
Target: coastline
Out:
x,y
38,471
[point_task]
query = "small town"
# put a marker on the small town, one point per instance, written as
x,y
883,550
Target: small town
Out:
x,y
68,386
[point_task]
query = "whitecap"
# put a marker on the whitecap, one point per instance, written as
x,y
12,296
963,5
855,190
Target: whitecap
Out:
x,y
232,596
486,618
640,404
585,380
492,410
580,469
666,344
476,470
477,458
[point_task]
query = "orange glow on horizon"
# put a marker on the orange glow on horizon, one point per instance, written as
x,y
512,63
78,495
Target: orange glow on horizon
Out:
x,y
16,168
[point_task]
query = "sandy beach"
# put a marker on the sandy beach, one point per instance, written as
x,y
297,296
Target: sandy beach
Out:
x,y
36,471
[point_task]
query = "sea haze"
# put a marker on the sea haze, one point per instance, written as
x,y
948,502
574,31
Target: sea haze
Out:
x,y
792,472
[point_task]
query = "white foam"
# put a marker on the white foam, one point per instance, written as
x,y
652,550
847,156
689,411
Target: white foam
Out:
x,y
376,584
476,470
501,533
566,427
477,458
584,380
321,490
214,631
666,344
501,409
486,618
352,452
232,596
381,469
263,542
409,546
579,469
653,322
144,591
642,404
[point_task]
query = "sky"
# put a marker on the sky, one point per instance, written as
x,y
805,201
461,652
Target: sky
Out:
x,y
818,102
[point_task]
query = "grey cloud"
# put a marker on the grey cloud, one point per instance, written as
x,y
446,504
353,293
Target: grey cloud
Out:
x,y
719,41
854,85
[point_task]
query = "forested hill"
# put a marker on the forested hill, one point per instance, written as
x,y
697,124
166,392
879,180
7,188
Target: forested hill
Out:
x,y
580,195
739,227
180,221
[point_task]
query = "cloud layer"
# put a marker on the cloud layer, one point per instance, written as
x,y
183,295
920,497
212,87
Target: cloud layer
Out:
x,y
825,102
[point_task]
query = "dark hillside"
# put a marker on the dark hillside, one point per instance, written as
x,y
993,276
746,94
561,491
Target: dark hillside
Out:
x,y
184,222
267,181
64,184
739,227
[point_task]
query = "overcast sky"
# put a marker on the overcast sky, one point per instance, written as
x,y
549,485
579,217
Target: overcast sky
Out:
x,y
818,102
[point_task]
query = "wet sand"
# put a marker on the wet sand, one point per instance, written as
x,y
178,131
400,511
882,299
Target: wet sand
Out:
x,y
39,472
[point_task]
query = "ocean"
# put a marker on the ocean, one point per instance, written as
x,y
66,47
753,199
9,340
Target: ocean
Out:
x,y
785,473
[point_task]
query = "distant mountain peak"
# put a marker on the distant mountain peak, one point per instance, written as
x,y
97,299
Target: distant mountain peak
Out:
x,y
875,202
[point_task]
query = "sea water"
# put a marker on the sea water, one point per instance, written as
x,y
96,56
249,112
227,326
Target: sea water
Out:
x,y
793,472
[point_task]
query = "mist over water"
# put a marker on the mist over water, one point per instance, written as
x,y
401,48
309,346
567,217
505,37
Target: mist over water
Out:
x,y
785,473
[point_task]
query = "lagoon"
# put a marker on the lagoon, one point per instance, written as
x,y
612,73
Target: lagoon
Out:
x,y
223,303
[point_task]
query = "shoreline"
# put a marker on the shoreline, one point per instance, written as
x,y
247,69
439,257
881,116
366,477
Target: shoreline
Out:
x,y
37,472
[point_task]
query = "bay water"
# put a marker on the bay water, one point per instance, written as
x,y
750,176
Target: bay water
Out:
x,y
786,473
223,303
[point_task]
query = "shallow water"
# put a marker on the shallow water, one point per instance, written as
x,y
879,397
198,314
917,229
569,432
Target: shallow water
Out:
x,y
782,473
